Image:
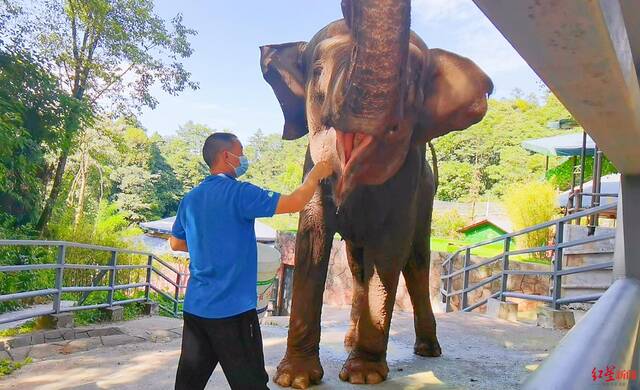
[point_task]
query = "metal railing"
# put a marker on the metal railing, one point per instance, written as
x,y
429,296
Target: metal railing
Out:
x,y
559,245
150,267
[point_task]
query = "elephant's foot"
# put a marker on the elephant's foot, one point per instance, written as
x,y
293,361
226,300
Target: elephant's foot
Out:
x,y
360,369
299,372
427,347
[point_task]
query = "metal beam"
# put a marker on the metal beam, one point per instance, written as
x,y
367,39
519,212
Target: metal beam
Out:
x,y
581,50
627,245
631,14
606,336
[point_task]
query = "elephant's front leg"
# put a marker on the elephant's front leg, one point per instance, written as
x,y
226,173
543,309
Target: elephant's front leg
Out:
x,y
300,366
367,361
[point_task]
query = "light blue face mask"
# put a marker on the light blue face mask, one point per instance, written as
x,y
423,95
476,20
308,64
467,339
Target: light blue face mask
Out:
x,y
242,168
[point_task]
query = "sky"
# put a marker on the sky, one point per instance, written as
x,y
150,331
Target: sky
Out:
x,y
234,96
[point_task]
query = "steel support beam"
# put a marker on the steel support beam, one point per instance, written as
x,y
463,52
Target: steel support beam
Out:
x,y
583,53
627,246
606,336
631,14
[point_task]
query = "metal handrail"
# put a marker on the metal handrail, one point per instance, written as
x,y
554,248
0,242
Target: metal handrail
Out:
x,y
540,226
556,274
60,266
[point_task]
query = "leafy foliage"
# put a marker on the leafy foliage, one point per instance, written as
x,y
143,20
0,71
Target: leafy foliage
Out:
x,y
7,366
487,159
34,114
447,224
561,175
528,205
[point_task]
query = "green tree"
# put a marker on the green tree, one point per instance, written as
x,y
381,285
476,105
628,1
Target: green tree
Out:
x,y
134,193
168,189
34,116
492,148
109,53
183,153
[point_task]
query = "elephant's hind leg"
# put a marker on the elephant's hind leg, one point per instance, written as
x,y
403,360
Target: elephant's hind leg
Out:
x,y
354,256
416,276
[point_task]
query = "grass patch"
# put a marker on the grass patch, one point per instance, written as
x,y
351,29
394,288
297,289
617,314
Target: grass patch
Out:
x,y
92,316
7,366
441,244
27,327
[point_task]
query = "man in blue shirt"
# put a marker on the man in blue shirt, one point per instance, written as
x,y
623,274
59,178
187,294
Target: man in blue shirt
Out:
x,y
215,224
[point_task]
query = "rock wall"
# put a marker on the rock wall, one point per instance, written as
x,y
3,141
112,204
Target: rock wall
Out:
x,y
338,286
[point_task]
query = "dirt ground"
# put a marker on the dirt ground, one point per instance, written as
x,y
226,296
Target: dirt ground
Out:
x,y
478,353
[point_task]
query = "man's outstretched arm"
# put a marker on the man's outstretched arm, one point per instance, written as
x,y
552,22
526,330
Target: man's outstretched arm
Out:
x,y
178,245
296,201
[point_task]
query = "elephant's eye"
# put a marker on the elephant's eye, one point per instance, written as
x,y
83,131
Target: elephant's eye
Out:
x,y
319,96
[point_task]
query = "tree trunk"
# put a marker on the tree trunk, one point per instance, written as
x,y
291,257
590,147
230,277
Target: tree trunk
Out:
x,y
55,191
81,196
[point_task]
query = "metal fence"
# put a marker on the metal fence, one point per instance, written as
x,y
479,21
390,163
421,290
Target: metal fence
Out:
x,y
554,298
150,268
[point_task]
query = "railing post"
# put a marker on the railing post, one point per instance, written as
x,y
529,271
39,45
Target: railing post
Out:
x,y
557,266
465,279
447,305
112,276
177,295
59,276
147,288
505,267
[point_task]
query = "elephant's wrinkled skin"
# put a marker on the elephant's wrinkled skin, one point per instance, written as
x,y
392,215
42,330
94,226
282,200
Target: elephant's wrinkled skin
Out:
x,y
370,94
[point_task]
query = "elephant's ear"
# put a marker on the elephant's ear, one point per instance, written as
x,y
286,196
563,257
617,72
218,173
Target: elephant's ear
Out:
x,y
455,95
283,70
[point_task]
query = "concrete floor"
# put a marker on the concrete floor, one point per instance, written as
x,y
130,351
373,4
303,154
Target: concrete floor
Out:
x,y
478,353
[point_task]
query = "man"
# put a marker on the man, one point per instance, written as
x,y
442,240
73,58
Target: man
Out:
x,y
215,224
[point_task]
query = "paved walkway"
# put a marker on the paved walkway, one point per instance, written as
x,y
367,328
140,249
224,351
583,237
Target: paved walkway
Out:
x,y
478,353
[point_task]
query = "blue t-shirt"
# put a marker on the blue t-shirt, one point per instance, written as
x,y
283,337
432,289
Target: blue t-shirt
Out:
x,y
217,220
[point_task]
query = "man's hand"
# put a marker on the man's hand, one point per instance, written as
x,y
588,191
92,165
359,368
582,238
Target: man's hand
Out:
x,y
320,171
177,244
296,201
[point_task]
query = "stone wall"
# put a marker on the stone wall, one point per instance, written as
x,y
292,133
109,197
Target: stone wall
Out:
x,y
338,286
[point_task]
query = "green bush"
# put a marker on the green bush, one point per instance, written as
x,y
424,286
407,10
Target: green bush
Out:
x,y
447,224
7,366
131,310
560,176
530,204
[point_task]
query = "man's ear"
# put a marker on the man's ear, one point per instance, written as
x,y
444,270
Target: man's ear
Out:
x,y
282,69
455,95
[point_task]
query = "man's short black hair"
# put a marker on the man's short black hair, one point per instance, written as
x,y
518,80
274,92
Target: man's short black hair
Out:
x,y
216,143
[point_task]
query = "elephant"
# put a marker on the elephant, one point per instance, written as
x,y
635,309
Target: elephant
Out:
x,y
370,94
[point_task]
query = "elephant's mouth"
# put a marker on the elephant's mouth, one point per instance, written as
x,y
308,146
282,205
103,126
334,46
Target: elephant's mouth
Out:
x,y
350,147
353,150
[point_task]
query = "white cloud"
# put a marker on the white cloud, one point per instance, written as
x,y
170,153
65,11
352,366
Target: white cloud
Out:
x,y
475,36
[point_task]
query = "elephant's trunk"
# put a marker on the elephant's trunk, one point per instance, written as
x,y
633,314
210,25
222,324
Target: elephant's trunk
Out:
x,y
373,94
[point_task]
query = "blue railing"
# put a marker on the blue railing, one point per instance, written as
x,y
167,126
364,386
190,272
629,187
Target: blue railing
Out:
x,y
554,299
150,266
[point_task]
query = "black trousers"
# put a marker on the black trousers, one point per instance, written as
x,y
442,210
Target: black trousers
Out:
x,y
234,342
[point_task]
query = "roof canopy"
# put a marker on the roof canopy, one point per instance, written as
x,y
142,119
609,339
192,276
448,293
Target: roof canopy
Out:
x,y
264,233
609,184
561,145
